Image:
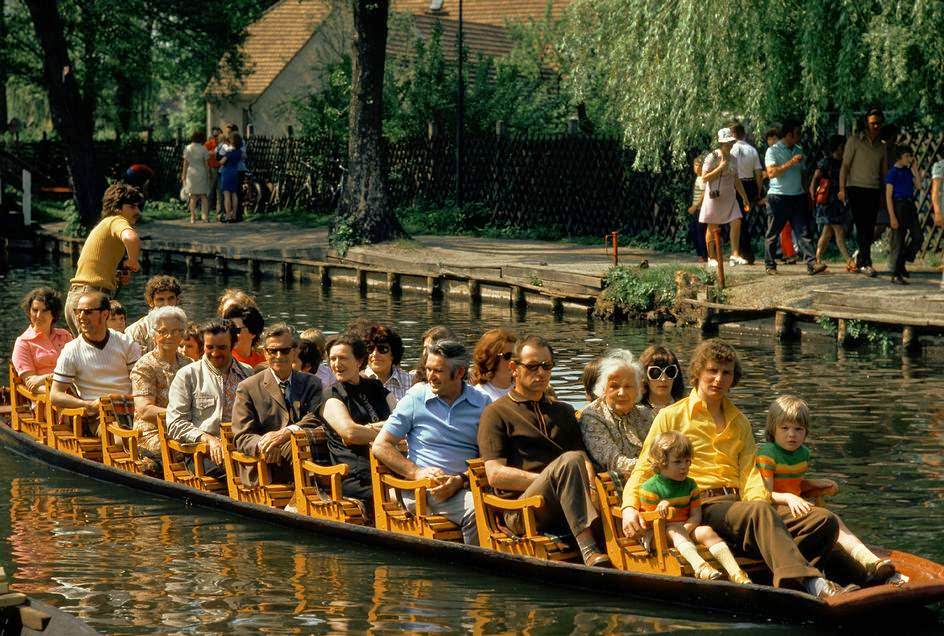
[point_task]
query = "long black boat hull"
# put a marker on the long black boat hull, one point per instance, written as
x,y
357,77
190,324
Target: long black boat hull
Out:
x,y
927,586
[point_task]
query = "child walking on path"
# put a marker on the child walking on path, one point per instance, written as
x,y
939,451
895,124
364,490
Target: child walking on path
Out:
x,y
902,215
696,230
675,496
782,463
831,213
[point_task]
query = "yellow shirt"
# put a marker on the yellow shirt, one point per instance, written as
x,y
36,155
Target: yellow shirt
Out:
x,y
724,458
101,254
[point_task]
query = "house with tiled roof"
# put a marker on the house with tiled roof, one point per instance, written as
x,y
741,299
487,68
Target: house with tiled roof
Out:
x,y
286,51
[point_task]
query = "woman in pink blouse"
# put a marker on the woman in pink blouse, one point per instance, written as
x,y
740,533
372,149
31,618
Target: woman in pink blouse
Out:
x,y
37,349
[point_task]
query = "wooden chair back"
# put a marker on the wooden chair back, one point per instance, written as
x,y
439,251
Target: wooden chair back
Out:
x,y
391,514
318,488
494,533
176,471
65,431
265,492
27,409
119,440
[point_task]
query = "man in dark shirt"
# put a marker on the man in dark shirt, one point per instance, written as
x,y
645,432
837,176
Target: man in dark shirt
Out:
x,y
532,445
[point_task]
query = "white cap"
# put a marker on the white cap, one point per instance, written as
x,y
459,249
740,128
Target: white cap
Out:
x,y
725,136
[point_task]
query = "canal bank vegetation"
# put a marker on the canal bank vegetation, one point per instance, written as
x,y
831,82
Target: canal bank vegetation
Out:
x,y
858,332
655,294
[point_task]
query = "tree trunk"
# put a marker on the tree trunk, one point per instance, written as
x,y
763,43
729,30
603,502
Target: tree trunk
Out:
x,y
364,214
71,115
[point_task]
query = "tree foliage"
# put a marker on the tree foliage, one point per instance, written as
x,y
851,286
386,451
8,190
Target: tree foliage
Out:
x,y
667,72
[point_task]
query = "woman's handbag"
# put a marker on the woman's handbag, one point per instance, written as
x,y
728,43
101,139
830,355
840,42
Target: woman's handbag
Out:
x,y
822,192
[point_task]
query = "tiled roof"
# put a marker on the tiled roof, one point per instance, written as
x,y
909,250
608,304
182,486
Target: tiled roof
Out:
x,y
274,39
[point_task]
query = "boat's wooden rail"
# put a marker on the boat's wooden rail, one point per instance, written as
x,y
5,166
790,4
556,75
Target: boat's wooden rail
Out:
x,y
119,439
174,459
318,491
264,492
27,408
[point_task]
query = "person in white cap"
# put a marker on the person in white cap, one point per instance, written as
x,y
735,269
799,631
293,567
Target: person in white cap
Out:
x,y
720,204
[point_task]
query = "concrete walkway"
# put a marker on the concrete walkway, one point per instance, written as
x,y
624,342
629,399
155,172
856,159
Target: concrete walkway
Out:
x,y
748,286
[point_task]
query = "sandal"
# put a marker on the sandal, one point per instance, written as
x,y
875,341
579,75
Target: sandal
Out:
x,y
851,266
707,573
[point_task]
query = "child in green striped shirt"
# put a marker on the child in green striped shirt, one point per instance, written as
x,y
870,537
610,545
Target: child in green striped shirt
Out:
x,y
782,463
675,496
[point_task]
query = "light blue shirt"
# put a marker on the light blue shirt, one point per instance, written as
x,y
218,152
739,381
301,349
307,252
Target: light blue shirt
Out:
x,y
439,435
790,182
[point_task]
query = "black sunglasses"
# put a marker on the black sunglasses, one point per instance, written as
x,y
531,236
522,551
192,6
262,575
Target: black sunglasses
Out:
x,y
533,367
380,347
506,356
655,372
274,351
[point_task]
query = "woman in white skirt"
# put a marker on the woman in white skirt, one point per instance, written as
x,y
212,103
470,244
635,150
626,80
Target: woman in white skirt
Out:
x,y
195,175
720,205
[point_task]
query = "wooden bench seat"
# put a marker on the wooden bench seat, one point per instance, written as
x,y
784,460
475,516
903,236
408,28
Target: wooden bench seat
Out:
x,y
119,440
65,431
176,471
318,488
390,514
27,409
265,492
490,512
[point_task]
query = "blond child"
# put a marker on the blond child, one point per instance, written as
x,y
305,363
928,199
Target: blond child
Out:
x,y
782,462
675,496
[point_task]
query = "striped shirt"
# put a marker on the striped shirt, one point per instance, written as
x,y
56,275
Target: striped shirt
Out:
x,y
101,254
97,372
683,496
787,469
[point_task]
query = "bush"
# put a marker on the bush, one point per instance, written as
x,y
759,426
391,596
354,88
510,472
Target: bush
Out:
x,y
637,291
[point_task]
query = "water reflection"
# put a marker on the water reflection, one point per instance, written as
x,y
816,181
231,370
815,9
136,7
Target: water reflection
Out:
x,y
134,564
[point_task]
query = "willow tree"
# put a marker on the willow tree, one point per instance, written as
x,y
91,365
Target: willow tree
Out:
x,y
668,72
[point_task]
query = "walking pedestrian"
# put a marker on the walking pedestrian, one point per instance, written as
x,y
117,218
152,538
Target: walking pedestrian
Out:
x,y
720,206
900,186
229,175
831,213
214,198
860,182
697,231
751,174
786,200
196,175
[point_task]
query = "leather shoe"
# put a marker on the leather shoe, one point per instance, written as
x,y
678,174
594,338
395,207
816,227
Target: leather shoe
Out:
x,y
597,560
898,280
832,589
880,571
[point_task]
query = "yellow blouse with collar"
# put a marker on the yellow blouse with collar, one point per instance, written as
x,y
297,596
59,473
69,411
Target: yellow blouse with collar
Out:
x,y
721,458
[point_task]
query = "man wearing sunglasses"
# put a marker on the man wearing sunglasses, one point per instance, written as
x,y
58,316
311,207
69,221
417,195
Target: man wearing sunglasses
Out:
x,y
273,404
96,363
532,445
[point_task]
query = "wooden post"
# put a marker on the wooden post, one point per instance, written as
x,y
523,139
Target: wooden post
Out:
x,y
909,339
362,281
785,326
166,261
393,283
517,296
434,285
286,271
475,291
220,264
190,262
324,273
719,254
253,268
557,304
709,326
842,339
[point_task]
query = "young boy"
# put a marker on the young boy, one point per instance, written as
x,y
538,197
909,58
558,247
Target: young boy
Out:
x,y
900,186
697,230
118,316
782,463
675,496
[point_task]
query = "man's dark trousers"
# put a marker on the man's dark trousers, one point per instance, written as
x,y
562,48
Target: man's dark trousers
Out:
x,y
864,204
745,246
780,209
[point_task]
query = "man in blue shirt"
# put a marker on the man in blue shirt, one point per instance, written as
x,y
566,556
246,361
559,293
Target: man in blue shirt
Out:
x,y
440,421
786,199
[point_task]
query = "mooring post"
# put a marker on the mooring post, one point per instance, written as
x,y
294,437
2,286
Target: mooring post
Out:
x,y
842,338
286,271
434,285
909,338
517,296
253,268
324,274
190,262
475,290
362,280
785,326
393,283
220,264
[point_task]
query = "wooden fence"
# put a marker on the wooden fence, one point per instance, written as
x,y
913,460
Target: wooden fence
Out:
x,y
575,184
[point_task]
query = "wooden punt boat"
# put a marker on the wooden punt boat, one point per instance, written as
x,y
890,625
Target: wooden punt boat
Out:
x,y
926,586
21,615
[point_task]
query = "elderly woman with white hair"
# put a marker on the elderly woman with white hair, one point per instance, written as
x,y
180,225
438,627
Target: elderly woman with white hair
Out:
x,y
153,372
615,424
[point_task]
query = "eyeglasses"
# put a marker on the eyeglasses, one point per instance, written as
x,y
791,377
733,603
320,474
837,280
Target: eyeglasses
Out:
x,y
168,332
279,351
533,367
506,356
380,347
656,372
81,311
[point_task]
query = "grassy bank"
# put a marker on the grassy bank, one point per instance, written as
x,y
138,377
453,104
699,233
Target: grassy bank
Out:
x,y
651,293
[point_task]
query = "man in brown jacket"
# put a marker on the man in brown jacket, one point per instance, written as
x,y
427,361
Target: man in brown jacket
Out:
x,y
272,404
532,445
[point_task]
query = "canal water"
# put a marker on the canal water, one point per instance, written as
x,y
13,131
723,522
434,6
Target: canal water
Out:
x,y
132,563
